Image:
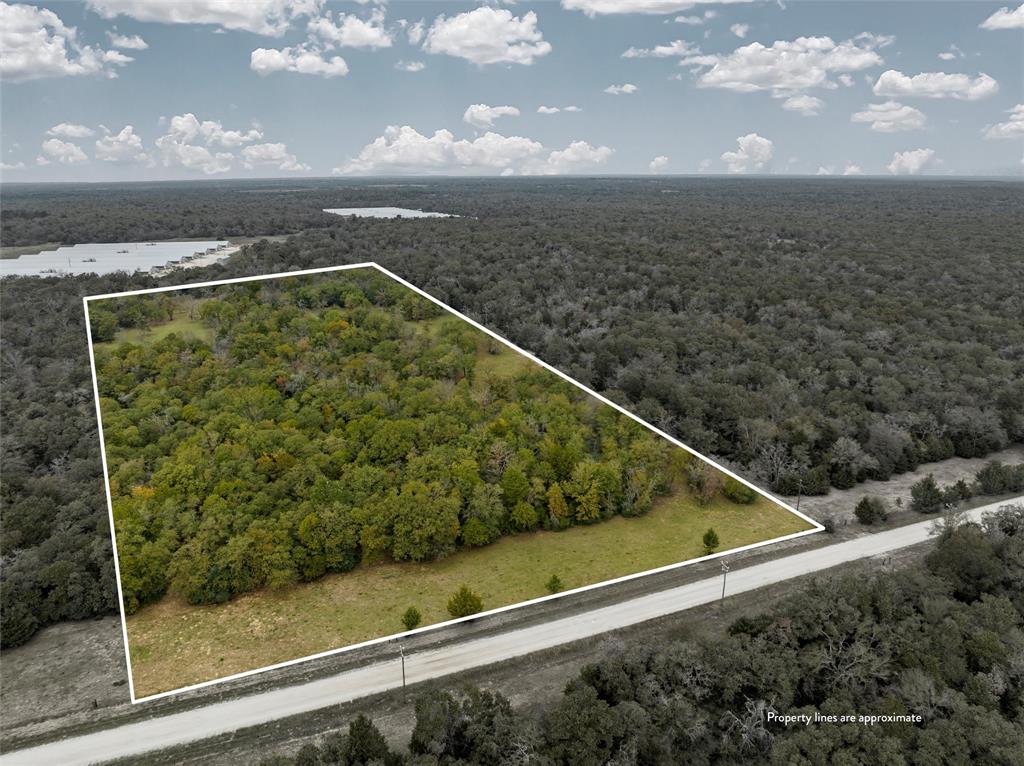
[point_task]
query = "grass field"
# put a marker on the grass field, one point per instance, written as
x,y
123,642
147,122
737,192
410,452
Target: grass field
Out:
x,y
504,363
493,358
174,644
183,326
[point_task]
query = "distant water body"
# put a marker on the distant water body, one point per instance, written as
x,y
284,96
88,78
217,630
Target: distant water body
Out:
x,y
385,212
105,258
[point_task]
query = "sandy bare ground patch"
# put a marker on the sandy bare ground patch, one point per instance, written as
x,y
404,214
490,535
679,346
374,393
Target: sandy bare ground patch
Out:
x,y
839,503
67,669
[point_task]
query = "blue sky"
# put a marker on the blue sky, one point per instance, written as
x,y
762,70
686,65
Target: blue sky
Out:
x,y
148,89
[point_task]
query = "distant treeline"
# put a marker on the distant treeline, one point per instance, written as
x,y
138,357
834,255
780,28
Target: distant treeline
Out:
x,y
341,418
813,333
932,652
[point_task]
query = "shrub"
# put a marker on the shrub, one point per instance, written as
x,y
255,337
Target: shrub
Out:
x,y
738,492
365,743
703,480
1015,478
710,542
464,602
308,755
554,585
925,496
411,619
991,478
955,494
751,626
871,509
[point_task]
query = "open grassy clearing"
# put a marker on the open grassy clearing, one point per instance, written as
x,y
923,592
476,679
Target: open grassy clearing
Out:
x,y
175,644
496,360
493,358
183,326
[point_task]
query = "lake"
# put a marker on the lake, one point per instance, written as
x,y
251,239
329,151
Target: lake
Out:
x,y
105,258
385,212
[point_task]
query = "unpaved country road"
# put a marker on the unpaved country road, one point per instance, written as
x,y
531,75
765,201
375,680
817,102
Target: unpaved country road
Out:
x,y
223,717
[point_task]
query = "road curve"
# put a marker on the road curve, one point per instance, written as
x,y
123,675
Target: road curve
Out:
x,y
222,717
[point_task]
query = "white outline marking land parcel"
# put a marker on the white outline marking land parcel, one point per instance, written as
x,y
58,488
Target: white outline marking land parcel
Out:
x,y
814,526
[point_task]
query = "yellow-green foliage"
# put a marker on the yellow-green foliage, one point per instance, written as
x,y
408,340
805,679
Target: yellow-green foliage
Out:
x,y
263,434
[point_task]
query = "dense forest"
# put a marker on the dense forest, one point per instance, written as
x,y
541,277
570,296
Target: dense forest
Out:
x,y
810,332
932,652
341,418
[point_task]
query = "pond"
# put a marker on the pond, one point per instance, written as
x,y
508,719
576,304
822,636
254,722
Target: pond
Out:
x,y
385,212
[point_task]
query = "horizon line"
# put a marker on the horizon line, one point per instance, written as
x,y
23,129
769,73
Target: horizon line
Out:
x,y
569,176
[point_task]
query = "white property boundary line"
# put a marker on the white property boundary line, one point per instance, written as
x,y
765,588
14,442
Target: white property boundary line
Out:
x,y
815,526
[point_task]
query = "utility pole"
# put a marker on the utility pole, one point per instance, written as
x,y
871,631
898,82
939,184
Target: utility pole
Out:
x,y
401,650
725,572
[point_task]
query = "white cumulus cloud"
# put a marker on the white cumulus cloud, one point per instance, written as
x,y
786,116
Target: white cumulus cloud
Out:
x,y
678,48
488,36
263,17
35,43
410,66
890,117
658,163
275,155
650,7
556,109
187,127
193,157
578,155
70,130
848,170
1004,18
493,151
787,67
935,85
352,31
127,42
124,147
404,150
740,30
63,152
808,106
1011,128
618,90
300,59
197,145
754,152
910,163
484,116
415,33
